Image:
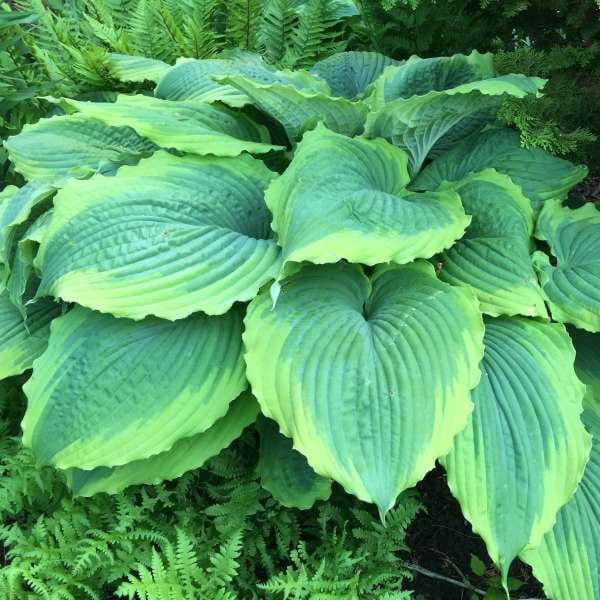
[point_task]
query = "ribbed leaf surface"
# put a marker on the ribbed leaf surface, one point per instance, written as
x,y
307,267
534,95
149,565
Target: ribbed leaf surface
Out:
x,y
540,175
197,79
299,110
16,209
567,561
347,198
493,256
440,119
23,340
572,283
190,126
74,146
418,76
523,452
284,472
110,391
23,280
349,74
371,378
169,237
186,454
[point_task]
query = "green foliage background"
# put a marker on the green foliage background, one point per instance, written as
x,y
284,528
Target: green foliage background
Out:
x,y
189,534
555,39
58,47
214,533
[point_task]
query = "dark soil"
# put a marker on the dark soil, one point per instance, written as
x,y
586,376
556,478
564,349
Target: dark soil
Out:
x,y
442,541
589,188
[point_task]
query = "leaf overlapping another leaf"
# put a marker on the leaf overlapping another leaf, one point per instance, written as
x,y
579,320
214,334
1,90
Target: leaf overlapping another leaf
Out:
x,y
169,237
493,257
523,452
109,391
74,146
567,561
349,74
199,79
189,126
419,76
344,198
372,363
438,120
572,286
340,364
540,175
300,110
186,454
284,471
23,338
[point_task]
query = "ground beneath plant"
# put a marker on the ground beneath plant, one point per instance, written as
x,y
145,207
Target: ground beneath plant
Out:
x,y
442,541
589,188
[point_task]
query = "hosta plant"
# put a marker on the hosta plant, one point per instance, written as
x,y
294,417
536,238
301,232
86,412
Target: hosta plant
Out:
x,y
358,252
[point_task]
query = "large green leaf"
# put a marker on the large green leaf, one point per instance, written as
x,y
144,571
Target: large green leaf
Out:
x,y
5,195
74,146
8,192
22,279
493,256
196,79
135,68
348,74
347,198
567,561
15,210
524,450
186,454
110,391
168,237
418,76
284,472
191,126
370,377
22,340
299,110
540,175
587,361
436,121
572,281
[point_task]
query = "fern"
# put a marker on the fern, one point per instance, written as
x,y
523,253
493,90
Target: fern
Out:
x,y
174,572
213,533
315,35
561,121
243,23
201,38
276,28
349,561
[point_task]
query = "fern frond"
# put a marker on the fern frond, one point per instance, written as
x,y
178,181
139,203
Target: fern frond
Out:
x,y
278,20
243,23
224,565
315,35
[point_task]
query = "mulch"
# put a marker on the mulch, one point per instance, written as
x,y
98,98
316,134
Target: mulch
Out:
x,y
442,541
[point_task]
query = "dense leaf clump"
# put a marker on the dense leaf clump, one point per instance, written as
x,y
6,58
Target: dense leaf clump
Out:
x,y
362,254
